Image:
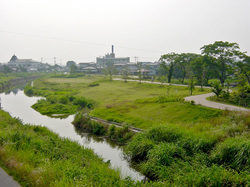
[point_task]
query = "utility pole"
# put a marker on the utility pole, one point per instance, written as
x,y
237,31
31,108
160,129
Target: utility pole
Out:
x,y
54,61
136,59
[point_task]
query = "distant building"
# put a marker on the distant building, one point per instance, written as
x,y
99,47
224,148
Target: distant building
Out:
x,y
29,64
111,57
88,67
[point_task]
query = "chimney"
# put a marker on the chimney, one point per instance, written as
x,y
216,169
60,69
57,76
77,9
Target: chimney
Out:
x,y
112,49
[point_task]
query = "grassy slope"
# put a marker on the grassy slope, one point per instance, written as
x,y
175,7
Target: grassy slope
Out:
x,y
38,157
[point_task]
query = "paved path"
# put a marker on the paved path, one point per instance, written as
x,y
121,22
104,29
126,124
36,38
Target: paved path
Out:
x,y
6,180
199,99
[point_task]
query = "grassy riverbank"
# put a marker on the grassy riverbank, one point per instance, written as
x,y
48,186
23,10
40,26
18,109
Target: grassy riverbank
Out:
x,y
37,157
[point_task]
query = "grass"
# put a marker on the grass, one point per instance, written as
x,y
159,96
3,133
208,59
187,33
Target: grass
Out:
x,y
38,157
182,156
132,102
192,146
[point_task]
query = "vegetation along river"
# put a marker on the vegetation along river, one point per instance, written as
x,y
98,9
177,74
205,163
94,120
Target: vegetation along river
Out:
x,y
19,105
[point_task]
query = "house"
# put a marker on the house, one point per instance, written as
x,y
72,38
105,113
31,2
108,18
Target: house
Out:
x,y
21,64
88,67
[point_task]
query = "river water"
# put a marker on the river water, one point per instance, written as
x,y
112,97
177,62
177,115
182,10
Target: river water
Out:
x,y
19,105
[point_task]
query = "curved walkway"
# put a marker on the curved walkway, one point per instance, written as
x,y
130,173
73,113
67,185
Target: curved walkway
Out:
x,y
199,99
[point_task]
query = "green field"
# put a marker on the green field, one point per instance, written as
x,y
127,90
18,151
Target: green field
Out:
x,y
141,105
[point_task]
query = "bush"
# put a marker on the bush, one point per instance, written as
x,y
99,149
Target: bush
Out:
x,y
233,152
138,148
64,100
28,90
97,128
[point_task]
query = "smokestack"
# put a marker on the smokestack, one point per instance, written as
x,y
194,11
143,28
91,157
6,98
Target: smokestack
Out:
x,y
112,49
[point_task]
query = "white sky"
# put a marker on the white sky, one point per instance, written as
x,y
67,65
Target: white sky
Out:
x,y
82,30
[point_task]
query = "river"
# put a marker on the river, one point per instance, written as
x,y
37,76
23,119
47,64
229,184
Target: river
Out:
x,y
19,105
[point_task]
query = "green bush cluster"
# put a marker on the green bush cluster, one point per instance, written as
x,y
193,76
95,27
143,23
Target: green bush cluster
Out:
x,y
161,99
61,101
93,84
119,134
184,157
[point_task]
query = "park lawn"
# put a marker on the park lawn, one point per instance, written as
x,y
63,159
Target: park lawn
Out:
x,y
117,101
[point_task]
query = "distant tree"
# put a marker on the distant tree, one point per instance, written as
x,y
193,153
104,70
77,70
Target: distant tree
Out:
x,y
109,69
244,66
221,58
125,73
139,67
183,61
191,86
201,70
88,72
6,69
70,63
162,79
73,69
168,62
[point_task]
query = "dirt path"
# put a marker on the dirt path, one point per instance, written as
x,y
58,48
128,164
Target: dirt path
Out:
x,y
199,99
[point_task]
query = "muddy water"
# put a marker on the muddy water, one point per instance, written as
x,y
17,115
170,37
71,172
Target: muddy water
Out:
x,y
19,105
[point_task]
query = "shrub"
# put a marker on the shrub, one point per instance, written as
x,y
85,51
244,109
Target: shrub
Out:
x,y
97,128
64,100
93,84
233,152
111,131
28,90
138,148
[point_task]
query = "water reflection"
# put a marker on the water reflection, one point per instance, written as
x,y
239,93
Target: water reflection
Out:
x,y
18,105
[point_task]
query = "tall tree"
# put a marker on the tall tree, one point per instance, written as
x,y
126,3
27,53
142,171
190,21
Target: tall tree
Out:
x,y
221,56
139,67
168,62
73,69
109,69
244,66
201,70
183,61
125,72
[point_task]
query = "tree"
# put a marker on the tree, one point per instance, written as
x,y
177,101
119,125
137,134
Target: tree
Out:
x,y
70,63
217,89
139,67
109,69
244,66
125,73
183,61
201,70
73,69
168,62
6,69
191,86
221,58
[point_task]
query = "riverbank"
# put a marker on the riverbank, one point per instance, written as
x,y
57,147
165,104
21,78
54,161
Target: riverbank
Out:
x,y
37,157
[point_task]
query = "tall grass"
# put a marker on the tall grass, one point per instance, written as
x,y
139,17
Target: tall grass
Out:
x,y
186,157
38,157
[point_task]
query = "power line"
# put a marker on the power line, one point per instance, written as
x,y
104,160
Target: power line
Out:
x,y
77,41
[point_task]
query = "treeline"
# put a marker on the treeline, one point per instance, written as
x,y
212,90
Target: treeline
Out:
x,y
220,60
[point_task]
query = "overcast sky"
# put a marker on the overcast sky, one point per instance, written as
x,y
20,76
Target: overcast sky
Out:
x,y
82,30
